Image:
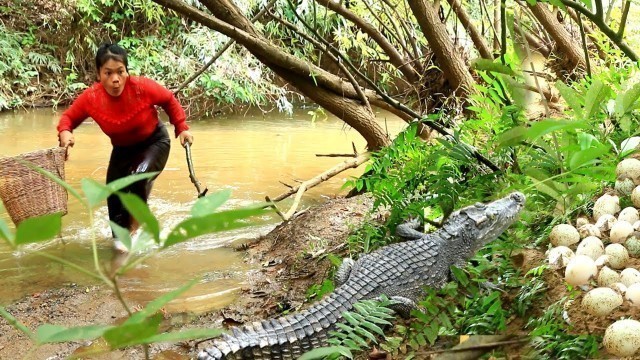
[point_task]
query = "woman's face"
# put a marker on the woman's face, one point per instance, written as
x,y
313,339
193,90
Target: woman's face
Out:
x,y
113,76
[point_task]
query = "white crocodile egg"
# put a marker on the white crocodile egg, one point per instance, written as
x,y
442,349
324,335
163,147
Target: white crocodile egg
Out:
x,y
618,256
629,168
633,245
605,222
591,246
606,205
601,301
607,277
589,230
635,196
620,231
564,235
580,270
622,338
581,221
624,186
602,261
629,214
633,294
629,276
560,256
619,287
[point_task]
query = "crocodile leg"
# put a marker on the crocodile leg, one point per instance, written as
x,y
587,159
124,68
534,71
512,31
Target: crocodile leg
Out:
x,y
403,306
343,272
409,230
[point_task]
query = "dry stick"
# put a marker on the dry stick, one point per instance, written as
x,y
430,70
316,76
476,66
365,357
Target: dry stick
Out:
x,y
221,51
308,184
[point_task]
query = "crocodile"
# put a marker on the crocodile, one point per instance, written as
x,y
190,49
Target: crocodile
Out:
x,y
400,271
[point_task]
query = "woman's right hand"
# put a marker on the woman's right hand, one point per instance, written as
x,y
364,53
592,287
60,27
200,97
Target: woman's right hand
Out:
x,y
66,139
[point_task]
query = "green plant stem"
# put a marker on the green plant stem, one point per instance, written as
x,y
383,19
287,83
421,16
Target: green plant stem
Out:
x,y
94,248
16,324
116,289
583,35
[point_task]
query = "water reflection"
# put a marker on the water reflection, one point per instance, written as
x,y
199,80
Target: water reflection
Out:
x,y
249,154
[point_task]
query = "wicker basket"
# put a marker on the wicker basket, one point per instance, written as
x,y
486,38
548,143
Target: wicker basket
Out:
x,y
27,193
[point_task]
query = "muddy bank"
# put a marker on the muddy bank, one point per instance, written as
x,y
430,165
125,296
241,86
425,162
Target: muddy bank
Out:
x,y
291,260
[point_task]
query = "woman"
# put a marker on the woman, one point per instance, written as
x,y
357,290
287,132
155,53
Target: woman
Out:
x,y
124,108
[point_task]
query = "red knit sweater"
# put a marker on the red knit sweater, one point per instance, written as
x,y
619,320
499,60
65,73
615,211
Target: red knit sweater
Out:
x,y
128,118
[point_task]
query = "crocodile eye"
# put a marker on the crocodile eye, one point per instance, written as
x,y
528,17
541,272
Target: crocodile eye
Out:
x,y
480,205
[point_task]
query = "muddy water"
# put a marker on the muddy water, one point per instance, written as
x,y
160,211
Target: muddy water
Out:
x,y
250,154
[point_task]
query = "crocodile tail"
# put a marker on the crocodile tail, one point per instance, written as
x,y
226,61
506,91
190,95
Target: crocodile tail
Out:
x,y
286,337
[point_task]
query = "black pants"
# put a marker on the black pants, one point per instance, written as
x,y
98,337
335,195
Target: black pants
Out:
x,y
149,155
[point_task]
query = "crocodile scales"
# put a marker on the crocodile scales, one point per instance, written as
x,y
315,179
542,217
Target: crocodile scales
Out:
x,y
399,270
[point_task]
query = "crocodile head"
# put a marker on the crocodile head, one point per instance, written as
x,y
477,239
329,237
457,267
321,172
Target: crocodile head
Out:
x,y
483,223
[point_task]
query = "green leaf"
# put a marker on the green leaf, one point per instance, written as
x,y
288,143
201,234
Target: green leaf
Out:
x,y
38,229
360,330
140,211
571,97
49,333
547,126
122,234
184,335
15,323
97,192
596,94
492,66
322,352
225,220
134,333
154,306
373,327
208,204
587,157
626,101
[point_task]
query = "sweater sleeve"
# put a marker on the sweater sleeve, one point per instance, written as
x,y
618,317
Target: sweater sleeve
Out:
x,y
75,114
163,97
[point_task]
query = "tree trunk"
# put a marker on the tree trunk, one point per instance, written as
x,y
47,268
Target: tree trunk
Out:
x,y
449,59
328,90
565,44
476,37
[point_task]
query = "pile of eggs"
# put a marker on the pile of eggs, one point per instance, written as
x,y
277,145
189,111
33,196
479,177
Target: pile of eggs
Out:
x,y
600,251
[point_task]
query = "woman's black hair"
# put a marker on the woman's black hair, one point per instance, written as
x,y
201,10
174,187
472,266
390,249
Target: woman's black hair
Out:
x,y
109,51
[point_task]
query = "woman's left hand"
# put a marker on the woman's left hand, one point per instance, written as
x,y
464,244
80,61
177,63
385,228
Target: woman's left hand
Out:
x,y
185,137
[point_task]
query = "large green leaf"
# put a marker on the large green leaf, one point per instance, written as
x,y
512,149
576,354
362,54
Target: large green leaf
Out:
x,y
547,126
626,101
597,93
587,157
321,353
122,234
208,204
134,333
225,220
571,97
49,333
140,211
97,192
38,229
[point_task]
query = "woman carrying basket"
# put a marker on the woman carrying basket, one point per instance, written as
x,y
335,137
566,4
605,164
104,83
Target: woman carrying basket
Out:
x,y
124,108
